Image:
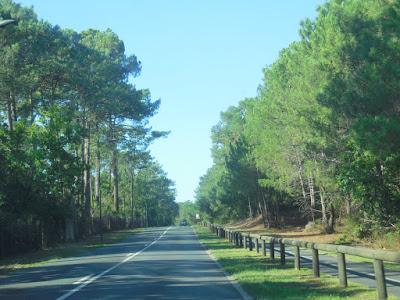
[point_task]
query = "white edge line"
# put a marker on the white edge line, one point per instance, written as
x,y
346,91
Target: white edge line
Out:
x,y
231,279
90,280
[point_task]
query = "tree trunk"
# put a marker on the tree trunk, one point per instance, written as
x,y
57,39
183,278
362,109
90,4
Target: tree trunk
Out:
x,y
267,223
312,196
69,229
348,205
303,189
330,228
32,114
115,179
9,114
98,170
323,206
98,186
86,180
132,198
250,209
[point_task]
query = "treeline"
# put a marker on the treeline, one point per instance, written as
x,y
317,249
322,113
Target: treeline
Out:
x,y
74,136
323,134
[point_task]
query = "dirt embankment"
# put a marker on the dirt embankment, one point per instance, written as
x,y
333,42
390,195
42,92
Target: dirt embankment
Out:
x,y
255,225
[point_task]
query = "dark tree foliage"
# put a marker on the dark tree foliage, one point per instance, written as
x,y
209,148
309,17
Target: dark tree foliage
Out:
x,y
73,135
323,133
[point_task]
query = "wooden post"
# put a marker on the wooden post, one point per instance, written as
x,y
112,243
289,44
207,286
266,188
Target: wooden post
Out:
x,y
380,279
341,262
272,250
297,257
315,262
282,252
250,243
240,240
263,248
257,245
245,242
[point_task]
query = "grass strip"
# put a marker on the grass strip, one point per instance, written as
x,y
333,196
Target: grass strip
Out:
x,y
263,278
64,250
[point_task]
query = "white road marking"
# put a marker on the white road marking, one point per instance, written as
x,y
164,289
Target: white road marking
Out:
x,y
82,279
94,278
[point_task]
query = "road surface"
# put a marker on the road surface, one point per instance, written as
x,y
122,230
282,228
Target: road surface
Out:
x,y
158,263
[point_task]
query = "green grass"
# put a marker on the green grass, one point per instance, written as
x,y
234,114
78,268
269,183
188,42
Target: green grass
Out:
x,y
388,265
266,279
41,257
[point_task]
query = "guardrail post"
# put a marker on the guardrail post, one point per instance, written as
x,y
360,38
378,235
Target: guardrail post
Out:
x,y
250,243
380,279
272,250
263,248
315,262
297,257
341,262
240,240
257,245
282,252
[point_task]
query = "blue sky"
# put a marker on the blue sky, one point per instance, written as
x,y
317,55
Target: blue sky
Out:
x,y
198,57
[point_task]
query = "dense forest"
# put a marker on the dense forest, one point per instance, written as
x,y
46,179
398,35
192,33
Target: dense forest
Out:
x,y
321,140
74,136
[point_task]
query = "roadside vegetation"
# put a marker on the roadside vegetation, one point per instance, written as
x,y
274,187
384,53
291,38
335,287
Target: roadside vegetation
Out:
x,y
187,212
74,136
266,279
64,250
319,144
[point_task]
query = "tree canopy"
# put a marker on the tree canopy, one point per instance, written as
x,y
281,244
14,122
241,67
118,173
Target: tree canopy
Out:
x,y
322,135
74,136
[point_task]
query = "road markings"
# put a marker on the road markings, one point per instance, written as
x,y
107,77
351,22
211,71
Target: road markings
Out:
x,y
94,278
82,279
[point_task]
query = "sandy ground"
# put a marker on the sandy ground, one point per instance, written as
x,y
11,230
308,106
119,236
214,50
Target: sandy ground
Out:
x,y
255,225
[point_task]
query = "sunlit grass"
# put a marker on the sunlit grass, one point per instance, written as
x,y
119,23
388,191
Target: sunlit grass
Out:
x,y
266,279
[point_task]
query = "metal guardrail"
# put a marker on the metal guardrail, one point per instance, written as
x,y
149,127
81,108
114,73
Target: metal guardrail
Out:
x,y
246,240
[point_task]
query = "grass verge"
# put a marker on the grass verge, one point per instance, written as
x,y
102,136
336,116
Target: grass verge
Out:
x,y
41,257
266,279
351,258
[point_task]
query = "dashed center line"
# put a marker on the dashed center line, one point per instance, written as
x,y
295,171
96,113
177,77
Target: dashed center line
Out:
x,y
88,279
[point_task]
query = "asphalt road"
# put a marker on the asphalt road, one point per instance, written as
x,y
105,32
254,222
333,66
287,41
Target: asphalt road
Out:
x,y
159,263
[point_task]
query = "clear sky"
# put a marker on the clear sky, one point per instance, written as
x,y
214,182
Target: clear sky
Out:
x,y
199,57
